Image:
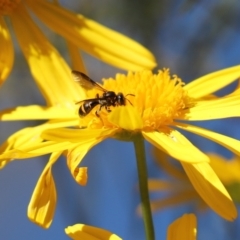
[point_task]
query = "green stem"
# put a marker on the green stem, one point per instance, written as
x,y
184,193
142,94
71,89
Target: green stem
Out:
x,y
143,186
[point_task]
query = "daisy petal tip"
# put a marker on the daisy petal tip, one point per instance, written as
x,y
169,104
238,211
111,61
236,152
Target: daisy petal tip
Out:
x,y
81,176
40,223
233,213
82,231
185,226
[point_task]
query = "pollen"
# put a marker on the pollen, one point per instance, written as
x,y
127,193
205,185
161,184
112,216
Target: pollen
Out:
x,y
157,98
7,6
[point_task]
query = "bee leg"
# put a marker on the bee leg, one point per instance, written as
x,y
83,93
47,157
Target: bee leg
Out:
x,y
98,115
98,111
107,109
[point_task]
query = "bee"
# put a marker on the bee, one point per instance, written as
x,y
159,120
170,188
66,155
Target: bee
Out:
x,y
107,99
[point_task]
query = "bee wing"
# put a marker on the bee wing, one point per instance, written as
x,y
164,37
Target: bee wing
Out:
x,y
87,100
86,82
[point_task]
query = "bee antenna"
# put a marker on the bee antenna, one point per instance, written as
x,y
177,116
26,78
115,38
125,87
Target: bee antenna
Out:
x,y
129,94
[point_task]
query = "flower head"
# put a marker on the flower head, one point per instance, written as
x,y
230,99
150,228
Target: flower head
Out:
x,y
161,104
156,100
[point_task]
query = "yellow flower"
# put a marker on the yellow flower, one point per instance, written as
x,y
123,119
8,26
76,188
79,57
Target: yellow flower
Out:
x,y
160,105
184,227
80,33
178,187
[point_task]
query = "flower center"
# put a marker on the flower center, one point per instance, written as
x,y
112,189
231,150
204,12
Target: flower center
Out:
x,y
158,98
7,6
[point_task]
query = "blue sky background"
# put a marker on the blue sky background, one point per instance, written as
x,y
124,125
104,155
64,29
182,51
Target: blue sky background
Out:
x,y
191,38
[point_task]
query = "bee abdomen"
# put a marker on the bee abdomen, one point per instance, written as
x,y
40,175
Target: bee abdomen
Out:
x,y
87,107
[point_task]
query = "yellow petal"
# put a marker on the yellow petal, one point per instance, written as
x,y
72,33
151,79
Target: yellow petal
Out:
x,y
155,185
82,140
210,188
4,162
50,71
212,82
36,112
22,140
172,200
81,176
77,135
46,147
227,170
77,61
97,40
184,227
19,139
6,53
228,142
43,201
163,162
126,117
35,149
82,231
176,145
75,156
220,108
